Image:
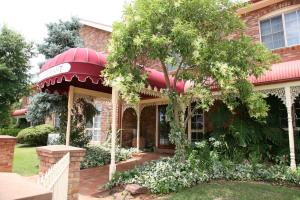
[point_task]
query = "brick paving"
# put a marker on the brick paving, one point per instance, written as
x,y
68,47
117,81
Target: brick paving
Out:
x,y
93,179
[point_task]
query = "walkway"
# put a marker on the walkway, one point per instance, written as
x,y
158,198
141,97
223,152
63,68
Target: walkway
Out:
x,y
93,179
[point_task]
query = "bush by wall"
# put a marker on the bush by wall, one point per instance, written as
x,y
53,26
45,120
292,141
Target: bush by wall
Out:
x,y
10,131
99,155
204,164
35,135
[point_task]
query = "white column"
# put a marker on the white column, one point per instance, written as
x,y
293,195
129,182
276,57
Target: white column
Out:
x,y
114,102
138,116
290,126
156,126
70,105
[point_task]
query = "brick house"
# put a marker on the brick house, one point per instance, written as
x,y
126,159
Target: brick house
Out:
x,y
275,23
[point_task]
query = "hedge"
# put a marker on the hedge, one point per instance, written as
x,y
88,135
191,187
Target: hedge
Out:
x,y
35,135
10,131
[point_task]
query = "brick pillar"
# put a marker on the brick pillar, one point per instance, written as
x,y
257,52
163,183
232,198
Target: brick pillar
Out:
x,y
7,147
49,155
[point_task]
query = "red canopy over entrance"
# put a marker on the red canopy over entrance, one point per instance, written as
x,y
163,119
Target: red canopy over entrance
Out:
x,y
81,67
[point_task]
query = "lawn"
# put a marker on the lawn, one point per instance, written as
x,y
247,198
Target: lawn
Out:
x,y
237,191
25,160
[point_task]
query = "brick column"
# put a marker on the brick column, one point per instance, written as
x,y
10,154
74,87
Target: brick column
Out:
x,y
7,147
49,155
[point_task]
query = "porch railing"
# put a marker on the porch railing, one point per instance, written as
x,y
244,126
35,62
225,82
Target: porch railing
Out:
x,y
56,179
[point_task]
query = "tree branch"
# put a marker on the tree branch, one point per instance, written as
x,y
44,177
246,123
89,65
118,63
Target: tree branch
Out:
x,y
177,73
189,117
166,75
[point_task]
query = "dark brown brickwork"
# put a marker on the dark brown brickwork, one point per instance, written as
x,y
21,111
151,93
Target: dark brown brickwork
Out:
x,y
94,38
129,122
148,125
251,20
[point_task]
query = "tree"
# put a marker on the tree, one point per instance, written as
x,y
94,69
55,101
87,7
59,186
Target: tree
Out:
x,y
204,43
62,35
15,53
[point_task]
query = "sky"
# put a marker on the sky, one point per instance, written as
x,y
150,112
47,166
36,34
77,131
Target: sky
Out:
x,y
29,17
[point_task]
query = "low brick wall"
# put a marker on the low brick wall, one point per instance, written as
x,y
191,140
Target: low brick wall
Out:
x,y
7,147
50,155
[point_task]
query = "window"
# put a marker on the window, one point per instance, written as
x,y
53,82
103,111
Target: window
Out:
x,y
197,126
281,31
164,127
56,120
94,127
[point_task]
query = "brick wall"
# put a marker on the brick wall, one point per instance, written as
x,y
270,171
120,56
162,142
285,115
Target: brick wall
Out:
x,y
7,147
94,38
50,155
251,20
148,125
129,122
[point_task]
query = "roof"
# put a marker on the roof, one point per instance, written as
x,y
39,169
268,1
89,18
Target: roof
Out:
x,y
97,25
279,73
19,112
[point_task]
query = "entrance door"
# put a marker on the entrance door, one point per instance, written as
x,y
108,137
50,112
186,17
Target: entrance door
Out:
x,y
164,128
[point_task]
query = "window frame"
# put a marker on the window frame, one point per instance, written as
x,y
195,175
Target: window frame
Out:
x,y
282,13
93,128
190,130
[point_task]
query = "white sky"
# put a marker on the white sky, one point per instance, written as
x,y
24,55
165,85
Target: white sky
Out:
x,y
30,16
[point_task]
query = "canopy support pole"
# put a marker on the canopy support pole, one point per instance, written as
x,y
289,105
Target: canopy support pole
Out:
x,y
70,105
114,101
290,127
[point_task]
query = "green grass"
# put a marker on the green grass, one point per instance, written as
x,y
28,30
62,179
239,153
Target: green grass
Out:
x,y
237,191
25,160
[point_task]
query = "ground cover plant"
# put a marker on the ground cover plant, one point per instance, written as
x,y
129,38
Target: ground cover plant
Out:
x,y
99,155
204,163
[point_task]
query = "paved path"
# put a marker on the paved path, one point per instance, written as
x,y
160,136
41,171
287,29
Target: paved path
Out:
x,y
93,179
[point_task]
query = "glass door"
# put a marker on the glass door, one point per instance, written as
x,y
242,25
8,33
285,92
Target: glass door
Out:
x,y
164,128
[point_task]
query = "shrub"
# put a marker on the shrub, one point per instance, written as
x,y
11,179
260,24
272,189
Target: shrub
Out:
x,y
36,135
99,155
10,131
203,164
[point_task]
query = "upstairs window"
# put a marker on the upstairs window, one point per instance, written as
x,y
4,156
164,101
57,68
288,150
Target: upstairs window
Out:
x,y
281,31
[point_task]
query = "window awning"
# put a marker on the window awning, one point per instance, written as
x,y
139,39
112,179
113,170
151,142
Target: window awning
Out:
x,y
279,73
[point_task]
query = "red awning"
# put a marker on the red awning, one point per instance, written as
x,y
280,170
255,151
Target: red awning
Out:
x,y
19,112
279,73
81,67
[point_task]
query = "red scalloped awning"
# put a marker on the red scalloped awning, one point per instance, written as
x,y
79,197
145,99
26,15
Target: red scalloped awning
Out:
x,y
19,112
82,67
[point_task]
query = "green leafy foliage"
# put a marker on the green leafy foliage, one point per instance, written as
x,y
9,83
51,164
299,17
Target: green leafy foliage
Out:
x,y
10,131
202,41
99,155
204,163
15,53
43,105
35,135
247,138
62,35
